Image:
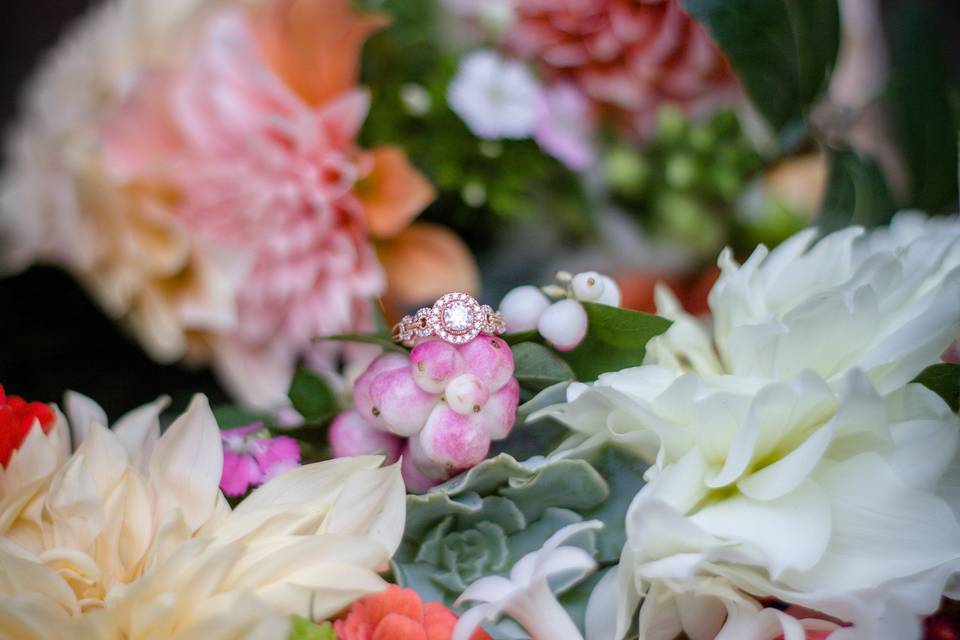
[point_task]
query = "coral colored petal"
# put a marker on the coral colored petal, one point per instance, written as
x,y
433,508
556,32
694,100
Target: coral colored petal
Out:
x,y
397,627
315,46
426,261
394,600
356,626
394,192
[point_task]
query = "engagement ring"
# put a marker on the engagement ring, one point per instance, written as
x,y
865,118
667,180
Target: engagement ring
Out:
x,y
456,318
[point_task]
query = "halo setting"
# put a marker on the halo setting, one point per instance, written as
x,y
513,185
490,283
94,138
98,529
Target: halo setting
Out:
x,y
456,318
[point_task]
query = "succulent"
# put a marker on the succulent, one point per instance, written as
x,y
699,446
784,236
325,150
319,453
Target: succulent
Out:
x,y
481,522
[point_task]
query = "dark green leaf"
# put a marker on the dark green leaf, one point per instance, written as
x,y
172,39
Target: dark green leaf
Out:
x,y
856,193
616,339
312,397
944,380
537,367
230,416
384,342
782,50
922,117
521,336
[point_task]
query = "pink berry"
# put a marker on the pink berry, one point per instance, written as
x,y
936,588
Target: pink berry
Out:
x,y
415,479
361,388
500,412
521,308
398,403
454,441
564,324
422,462
466,394
352,435
490,359
434,363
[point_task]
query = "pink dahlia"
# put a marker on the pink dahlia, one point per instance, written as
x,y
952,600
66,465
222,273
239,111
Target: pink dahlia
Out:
x,y
254,171
629,56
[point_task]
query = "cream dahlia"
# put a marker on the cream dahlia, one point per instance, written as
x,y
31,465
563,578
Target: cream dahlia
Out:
x,y
629,56
92,547
195,164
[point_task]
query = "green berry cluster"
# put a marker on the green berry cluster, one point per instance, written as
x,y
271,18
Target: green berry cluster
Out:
x,y
683,184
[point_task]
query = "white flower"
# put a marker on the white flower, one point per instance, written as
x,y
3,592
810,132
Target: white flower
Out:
x,y
887,301
497,98
96,548
792,459
526,595
838,501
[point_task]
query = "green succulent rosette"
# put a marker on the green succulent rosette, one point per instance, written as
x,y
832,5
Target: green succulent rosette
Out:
x,y
481,522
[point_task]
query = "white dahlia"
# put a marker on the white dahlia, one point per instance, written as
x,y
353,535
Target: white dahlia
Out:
x,y
95,548
886,301
791,458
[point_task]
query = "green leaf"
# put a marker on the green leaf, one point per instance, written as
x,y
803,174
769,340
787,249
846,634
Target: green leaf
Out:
x,y
616,339
303,629
856,193
923,120
782,50
230,416
521,336
536,367
312,397
384,342
944,380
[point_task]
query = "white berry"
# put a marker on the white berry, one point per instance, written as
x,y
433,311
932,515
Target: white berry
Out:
x,y
587,286
611,292
521,308
564,324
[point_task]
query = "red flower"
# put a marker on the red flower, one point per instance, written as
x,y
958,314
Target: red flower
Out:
x,y
398,613
16,419
629,56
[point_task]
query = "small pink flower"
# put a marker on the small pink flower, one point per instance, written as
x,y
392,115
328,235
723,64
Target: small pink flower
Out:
x,y
565,126
251,457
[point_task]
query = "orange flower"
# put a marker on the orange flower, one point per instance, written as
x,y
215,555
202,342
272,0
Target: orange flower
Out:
x,y
399,614
315,46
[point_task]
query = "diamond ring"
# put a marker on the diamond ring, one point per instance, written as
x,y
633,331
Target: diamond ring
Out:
x,y
456,318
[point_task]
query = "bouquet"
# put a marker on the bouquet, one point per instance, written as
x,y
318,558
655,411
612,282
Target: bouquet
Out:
x,y
558,468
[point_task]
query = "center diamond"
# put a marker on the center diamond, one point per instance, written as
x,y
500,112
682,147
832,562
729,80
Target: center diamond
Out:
x,y
457,317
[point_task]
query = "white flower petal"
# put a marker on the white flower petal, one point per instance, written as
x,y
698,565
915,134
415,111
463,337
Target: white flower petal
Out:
x,y
186,465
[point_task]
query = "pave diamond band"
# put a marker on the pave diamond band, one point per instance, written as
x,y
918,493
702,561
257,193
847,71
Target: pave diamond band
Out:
x,y
456,318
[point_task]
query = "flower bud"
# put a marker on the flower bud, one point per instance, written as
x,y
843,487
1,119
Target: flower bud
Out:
x,y
521,308
564,324
466,394
454,441
490,359
434,363
398,404
500,411
351,434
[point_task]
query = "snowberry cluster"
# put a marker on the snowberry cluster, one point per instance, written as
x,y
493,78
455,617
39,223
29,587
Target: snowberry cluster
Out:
x,y
439,407
562,323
